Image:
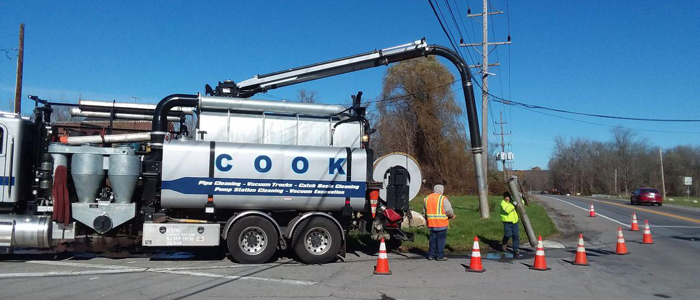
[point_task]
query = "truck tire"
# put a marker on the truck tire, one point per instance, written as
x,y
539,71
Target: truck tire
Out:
x,y
252,240
316,241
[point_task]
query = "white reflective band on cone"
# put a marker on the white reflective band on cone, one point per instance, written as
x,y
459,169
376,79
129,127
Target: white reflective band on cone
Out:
x,y
382,255
539,252
581,249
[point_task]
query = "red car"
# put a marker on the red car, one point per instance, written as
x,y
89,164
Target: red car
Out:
x,y
647,195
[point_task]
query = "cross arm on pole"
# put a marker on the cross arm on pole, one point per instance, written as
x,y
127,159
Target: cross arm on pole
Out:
x,y
481,14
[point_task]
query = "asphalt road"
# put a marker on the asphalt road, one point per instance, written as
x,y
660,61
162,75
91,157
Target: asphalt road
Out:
x,y
667,269
675,225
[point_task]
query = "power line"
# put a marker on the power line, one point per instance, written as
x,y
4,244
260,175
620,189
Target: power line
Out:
x,y
449,7
469,9
7,52
510,66
452,38
606,125
509,63
532,106
459,13
449,36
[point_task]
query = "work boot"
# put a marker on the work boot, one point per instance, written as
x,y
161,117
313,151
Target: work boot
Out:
x,y
442,259
503,247
516,254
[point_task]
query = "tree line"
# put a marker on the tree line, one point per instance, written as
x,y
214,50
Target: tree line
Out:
x,y
621,165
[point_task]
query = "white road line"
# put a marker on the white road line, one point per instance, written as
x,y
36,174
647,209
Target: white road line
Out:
x,y
586,209
217,267
673,226
66,273
210,275
84,265
114,269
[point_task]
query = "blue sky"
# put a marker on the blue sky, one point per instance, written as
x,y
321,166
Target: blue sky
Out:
x,y
629,58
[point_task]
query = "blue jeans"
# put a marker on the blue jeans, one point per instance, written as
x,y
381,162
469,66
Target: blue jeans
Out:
x,y
511,230
437,243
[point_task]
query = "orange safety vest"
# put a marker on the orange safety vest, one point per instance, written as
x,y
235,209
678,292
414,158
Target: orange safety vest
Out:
x,y
434,211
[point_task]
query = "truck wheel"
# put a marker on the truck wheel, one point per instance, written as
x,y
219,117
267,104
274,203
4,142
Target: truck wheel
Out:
x,y
316,241
252,240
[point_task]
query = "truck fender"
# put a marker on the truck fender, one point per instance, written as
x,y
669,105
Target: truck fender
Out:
x,y
289,232
238,216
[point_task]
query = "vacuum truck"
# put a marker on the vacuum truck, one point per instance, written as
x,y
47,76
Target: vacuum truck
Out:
x,y
256,175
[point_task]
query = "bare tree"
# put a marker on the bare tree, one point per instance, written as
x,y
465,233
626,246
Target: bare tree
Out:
x,y
418,115
589,166
62,114
309,96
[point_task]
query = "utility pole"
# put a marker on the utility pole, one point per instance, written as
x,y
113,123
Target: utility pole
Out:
x,y
663,183
20,68
503,147
484,74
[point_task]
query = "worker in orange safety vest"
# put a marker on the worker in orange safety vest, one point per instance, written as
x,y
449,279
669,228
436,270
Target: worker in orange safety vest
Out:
x,y
437,211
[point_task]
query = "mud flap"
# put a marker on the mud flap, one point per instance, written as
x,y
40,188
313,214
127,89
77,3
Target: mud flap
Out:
x,y
343,249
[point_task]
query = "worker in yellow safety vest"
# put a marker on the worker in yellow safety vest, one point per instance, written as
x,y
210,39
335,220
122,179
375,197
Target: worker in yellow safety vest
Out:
x,y
438,213
509,217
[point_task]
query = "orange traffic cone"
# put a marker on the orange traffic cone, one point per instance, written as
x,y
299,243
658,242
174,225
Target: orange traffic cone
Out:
x,y
382,267
475,262
540,261
581,259
621,247
373,200
647,234
635,225
592,213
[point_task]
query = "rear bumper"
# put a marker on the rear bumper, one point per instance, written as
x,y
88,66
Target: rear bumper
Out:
x,y
651,200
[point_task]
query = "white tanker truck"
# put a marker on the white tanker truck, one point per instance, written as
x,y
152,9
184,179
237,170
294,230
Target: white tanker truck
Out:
x,y
258,175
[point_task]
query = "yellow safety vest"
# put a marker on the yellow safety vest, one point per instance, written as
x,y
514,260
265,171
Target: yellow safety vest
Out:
x,y
508,213
434,211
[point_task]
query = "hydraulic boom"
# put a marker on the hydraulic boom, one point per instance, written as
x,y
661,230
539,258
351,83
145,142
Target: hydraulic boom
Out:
x,y
419,48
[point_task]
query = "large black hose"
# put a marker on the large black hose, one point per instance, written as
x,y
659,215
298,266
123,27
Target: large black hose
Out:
x,y
474,134
467,88
160,116
159,127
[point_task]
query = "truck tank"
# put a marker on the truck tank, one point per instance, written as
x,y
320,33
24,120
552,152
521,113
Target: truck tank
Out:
x,y
262,176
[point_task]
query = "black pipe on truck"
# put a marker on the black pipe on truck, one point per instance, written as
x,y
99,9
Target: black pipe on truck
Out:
x,y
153,163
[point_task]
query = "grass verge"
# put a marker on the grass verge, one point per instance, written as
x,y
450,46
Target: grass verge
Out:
x,y
682,200
468,224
